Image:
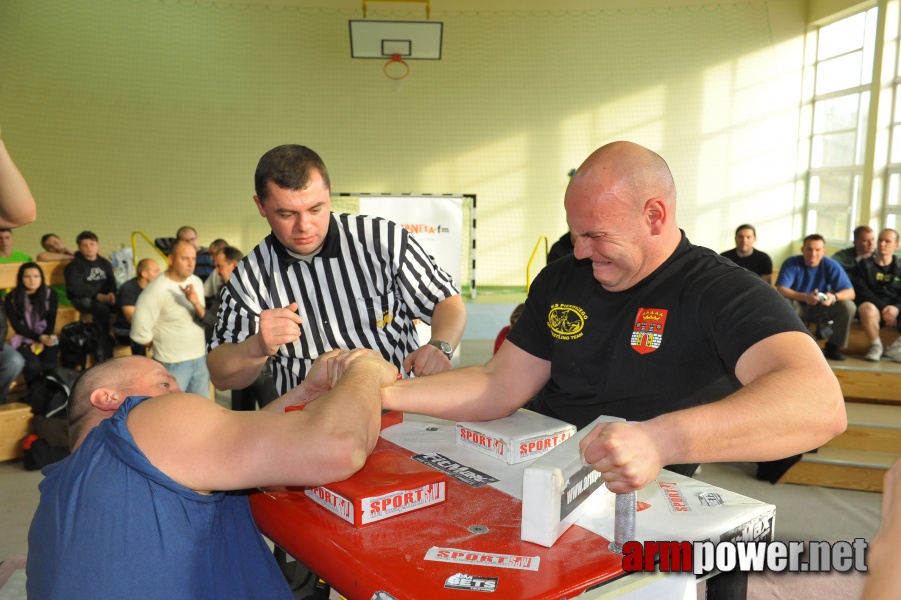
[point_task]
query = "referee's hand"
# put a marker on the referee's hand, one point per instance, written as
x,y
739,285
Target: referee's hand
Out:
x,y
279,326
426,360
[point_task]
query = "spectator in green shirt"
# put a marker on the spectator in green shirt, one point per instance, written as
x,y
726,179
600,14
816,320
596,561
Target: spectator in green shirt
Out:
x,y
7,254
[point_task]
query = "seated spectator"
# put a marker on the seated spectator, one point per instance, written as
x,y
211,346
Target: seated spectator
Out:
x,y
204,265
141,507
90,283
747,256
820,291
31,309
54,249
864,244
502,334
561,247
214,282
7,254
148,270
11,362
877,282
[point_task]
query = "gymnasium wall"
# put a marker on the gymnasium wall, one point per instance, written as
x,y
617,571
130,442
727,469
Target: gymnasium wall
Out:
x,y
146,115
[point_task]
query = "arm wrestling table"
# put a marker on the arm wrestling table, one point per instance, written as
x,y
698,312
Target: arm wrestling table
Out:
x,y
475,536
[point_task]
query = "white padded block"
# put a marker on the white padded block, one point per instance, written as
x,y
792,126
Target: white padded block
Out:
x,y
524,435
557,488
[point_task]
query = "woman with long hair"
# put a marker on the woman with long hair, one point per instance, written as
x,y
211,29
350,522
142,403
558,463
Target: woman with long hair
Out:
x,y
31,310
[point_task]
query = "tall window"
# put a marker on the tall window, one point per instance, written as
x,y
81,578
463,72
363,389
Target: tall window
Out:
x,y
843,81
892,206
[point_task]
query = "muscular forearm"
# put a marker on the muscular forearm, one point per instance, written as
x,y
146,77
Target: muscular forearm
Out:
x,y
236,366
352,407
491,391
16,202
786,410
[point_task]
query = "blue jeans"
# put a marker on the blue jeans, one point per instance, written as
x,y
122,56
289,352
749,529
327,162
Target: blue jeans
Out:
x,y
192,375
11,364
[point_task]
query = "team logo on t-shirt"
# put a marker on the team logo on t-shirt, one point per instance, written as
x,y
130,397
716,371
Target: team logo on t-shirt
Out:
x,y
566,321
647,334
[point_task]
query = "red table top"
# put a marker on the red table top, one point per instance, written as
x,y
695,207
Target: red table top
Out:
x,y
390,555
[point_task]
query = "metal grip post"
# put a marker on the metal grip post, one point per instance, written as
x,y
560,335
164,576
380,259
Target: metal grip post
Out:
x,y
624,521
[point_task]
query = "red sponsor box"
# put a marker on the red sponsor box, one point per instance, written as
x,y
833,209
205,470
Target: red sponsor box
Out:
x,y
390,484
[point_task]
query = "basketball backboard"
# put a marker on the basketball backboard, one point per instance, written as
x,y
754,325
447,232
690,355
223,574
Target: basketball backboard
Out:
x,y
384,39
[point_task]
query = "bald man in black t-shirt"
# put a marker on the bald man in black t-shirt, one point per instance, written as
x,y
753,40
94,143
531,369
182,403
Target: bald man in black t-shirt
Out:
x,y
706,360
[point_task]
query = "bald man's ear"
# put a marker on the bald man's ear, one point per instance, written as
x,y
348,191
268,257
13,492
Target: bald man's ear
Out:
x,y
106,400
655,211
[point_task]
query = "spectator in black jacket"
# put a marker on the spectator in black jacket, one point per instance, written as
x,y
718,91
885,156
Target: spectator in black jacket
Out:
x,y
877,281
90,283
31,308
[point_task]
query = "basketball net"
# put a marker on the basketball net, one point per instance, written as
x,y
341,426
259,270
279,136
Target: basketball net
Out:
x,y
396,68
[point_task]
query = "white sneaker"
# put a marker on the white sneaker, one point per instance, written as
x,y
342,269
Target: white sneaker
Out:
x,y
894,351
875,352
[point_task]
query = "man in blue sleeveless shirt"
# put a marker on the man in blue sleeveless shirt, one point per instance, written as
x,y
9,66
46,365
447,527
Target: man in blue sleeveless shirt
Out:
x,y
141,509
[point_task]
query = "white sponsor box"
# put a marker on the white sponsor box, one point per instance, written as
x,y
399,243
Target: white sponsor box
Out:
x,y
677,508
558,488
522,436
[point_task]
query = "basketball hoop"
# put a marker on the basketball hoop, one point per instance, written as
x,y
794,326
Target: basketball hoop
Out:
x,y
396,73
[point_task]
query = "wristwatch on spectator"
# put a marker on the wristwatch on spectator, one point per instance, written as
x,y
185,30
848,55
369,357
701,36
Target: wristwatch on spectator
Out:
x,y
446,349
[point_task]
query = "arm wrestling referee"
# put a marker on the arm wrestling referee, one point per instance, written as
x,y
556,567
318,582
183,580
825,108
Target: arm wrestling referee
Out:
x,y
323,281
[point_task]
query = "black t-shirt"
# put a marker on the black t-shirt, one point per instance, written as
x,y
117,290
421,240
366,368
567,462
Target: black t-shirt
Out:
x,y
756,262
127,296
701,311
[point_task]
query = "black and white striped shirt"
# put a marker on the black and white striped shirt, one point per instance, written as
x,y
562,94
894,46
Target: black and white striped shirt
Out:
x,y
364,288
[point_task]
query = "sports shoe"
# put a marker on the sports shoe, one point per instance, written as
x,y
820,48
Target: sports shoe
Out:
x,y
833,353
894,351
875,352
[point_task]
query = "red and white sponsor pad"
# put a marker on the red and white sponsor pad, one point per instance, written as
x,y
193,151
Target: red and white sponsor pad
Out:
x,y
490,559
388,485
522,436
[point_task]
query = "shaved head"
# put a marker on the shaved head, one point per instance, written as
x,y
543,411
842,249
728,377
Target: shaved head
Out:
x,y
621,208
115,373
113,381
631,172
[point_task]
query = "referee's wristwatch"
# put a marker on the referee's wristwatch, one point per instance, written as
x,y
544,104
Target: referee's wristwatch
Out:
x,y
446,349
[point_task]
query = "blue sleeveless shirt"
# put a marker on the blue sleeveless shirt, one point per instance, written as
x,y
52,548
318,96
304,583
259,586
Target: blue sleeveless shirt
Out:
x,y
111,525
